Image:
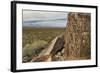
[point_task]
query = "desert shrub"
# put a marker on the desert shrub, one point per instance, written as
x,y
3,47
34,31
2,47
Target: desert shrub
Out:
x,y
35,48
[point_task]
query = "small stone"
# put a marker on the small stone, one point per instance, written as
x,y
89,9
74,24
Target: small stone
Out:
x,y
59,53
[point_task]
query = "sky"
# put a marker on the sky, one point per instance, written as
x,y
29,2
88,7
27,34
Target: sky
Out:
x,y
44,18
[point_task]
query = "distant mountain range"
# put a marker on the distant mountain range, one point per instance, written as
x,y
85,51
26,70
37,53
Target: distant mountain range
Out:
x,y
46,23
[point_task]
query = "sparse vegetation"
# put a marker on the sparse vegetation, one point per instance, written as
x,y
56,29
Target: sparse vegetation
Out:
x,y
37,39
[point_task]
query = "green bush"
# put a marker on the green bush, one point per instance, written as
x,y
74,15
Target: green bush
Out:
x,y
34,48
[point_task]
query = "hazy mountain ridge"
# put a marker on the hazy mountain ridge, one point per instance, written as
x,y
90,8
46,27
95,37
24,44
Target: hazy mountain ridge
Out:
x,y
45,23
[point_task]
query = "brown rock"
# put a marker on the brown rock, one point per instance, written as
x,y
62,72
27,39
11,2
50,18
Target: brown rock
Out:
x,y
58,46
46,58
77,35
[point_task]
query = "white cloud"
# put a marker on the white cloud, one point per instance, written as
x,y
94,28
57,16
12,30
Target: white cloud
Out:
x,y
44,18
42,15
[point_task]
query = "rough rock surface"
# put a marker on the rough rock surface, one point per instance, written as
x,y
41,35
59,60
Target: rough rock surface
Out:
x,y
77,36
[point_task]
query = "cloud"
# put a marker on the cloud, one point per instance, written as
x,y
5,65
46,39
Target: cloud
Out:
x,y
44,18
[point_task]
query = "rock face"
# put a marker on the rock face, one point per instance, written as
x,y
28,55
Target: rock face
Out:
x,y
58,45
58,49
77,36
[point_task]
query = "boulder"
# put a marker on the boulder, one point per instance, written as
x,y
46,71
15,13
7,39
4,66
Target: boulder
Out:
x,y
58,46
